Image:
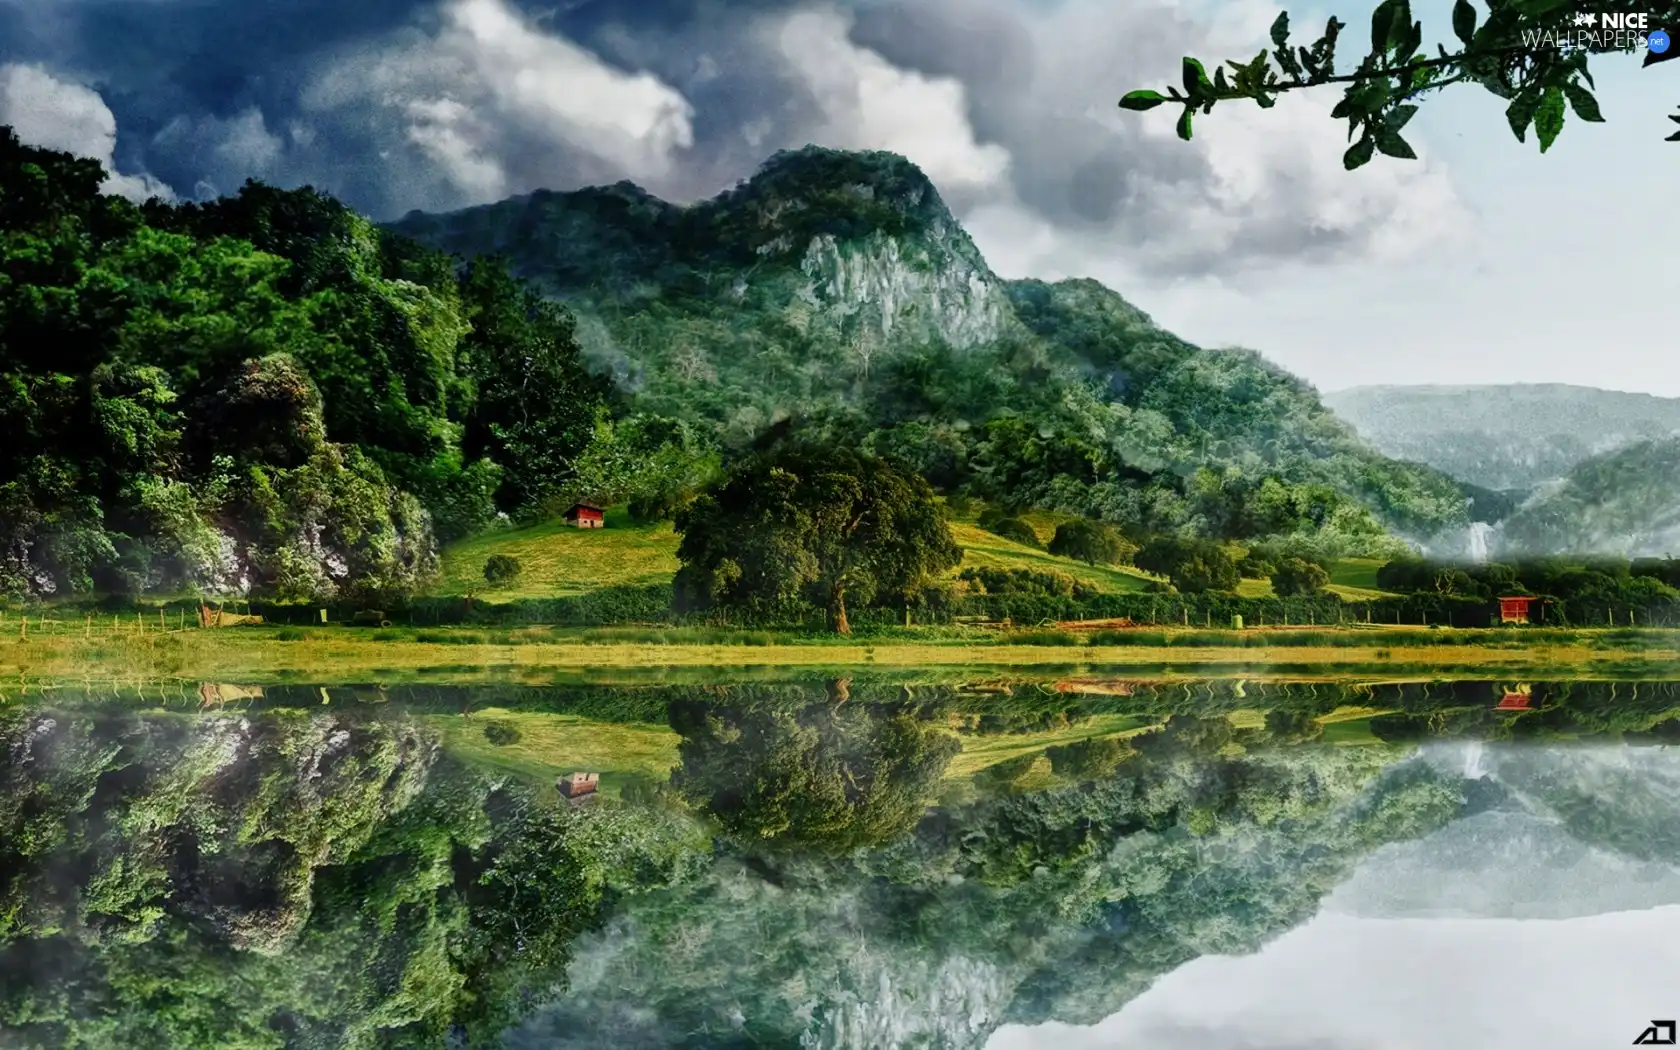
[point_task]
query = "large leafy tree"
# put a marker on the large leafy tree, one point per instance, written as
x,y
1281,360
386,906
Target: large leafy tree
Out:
x,y
812,523
1535,54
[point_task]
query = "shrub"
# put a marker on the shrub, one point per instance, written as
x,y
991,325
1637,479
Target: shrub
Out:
x,y
1092,542
1255,567
1193,566
502,734
1016,531
1020,581
501,569
1297,578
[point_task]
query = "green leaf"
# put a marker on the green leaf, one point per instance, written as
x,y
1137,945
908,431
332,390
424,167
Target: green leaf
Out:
x,y
1139,101
1548,119
1464,21
1280,30
1184,124
1400,28
1585,106
1392,145
1398,117
1266,101
1196,82
1520,113
1359,154
1220,84
1382,20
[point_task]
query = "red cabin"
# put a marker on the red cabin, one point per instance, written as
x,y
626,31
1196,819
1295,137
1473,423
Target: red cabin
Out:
x,y
586,516
577,785
1514,702
1514,610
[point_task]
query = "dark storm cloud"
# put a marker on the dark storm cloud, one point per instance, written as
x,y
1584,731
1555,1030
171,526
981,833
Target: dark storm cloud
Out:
x,y
398,104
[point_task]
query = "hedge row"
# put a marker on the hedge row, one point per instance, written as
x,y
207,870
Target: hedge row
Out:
x,y
653,605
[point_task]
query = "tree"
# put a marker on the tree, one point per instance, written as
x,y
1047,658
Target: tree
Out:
x,y
1299,578
1092,542
1518,53
1192,565
828,776
811,523
501,569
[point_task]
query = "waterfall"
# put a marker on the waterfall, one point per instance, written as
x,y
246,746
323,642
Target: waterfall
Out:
x,y
1479,533
1475,768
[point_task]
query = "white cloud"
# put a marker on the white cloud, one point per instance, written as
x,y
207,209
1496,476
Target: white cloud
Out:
x,y
490,95
869,103
58,114
1252,189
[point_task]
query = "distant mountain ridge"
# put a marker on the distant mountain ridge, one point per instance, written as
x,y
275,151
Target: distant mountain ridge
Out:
x,y
1624,502
1514,436
837,286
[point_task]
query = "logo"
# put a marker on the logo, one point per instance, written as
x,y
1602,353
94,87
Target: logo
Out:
x,y
1660,1033
1657,42
1585,19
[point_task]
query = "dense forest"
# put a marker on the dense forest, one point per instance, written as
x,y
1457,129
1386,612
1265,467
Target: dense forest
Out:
x,y
268,394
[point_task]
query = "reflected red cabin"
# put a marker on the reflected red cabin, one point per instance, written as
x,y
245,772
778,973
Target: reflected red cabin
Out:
x,y
576,785
1514,702
586,516
1514,610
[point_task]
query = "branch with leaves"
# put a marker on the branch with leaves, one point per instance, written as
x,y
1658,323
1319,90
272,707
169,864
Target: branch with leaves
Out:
x,y
1528,52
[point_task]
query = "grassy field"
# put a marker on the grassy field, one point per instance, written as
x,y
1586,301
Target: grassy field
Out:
x,y
1351,579
559,560
551,744
329,655
984,550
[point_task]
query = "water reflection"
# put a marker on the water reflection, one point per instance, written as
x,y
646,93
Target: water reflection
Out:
x,y
822,863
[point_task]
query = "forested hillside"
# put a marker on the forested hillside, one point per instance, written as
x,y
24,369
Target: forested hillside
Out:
x,y
268,394
1625,502
1514,436
836,289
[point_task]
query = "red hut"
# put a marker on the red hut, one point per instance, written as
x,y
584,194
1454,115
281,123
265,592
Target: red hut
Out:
x,y
1514,610
586,516
1514,702
577,785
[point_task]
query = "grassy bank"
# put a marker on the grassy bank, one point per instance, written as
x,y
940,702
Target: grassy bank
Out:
x,y
330,655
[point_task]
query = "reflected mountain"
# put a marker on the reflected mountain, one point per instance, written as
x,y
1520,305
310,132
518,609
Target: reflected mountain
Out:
x,y
854,862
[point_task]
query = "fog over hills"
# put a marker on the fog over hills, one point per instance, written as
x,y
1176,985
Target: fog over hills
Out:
x,y
1511,436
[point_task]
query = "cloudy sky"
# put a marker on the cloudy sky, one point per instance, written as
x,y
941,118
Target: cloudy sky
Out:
x,y
1483,262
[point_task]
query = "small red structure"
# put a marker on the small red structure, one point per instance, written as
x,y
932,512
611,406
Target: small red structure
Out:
x,y
1514,610
586,516
1514,702
577,785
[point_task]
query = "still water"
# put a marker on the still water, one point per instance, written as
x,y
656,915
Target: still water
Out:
x,y
863,862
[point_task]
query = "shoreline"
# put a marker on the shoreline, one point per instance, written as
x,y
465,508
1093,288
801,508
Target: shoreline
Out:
x,y
332,655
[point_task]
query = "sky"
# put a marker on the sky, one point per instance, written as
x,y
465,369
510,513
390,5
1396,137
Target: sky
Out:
x,y
1481,262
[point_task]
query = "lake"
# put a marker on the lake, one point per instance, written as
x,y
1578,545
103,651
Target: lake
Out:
x,y
990,860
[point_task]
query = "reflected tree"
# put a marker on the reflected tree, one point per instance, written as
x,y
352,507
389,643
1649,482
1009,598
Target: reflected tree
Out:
x,y
825,774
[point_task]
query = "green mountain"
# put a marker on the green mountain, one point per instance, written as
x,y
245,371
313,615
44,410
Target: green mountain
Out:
x,y
1625,502
1514,436
835,288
